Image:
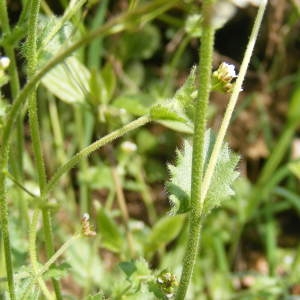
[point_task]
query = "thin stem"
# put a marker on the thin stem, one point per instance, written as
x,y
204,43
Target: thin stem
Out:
x,y
48,233
83,165
123,208
232,102
145,192
93,147
206,52
22,187
35,134
15,87
50,262
32,107
32,252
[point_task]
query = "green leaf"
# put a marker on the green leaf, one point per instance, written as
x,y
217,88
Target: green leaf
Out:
x,y
85,263
193,25
179,185
163,232
49,42
68,81
178,112
294,106
128,267
136,105
110,81
57,272
160,112
139,44
294,167
109,231
97,177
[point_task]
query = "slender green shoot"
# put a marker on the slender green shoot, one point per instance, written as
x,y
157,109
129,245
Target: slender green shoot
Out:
x,y
205,69
232,102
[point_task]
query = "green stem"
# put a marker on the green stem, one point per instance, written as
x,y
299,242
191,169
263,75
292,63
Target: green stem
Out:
x,y
48,233
95,49
35,133
83,165
93,147
22,187
232,101
145,192
32,106
33,255
205,68
50,262
15,87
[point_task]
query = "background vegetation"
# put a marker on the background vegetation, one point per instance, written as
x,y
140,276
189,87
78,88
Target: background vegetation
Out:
x,y
135,55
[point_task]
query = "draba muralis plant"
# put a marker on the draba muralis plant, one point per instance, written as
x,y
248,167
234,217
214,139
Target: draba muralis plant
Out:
x,y
208,158
211,164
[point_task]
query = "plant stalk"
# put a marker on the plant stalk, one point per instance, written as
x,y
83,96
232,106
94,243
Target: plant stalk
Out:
x,y
93,147
195,217
31,52
14,87
33,255
232,101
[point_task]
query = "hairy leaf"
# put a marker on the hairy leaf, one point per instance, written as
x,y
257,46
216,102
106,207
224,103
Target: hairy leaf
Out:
x,y
178,112
179,185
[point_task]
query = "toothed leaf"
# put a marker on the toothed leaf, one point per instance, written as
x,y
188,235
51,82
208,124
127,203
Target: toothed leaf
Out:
x,y
178,112
179,185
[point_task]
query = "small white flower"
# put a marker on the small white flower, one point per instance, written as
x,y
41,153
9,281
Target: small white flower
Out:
x,y
4,62
230,70
85,217
129,147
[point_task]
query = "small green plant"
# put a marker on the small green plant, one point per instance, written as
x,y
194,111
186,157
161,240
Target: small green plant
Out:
x,y
100,102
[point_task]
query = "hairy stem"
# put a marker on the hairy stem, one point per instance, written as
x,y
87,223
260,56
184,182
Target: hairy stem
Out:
x,y
49,263
31,52
33,255
93,147
205,68
232,102
15,87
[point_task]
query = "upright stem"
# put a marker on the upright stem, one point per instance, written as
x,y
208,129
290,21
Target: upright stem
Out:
x,y
34,128
93,147
15,87
33,255
232,101
123,208
205,67
199,191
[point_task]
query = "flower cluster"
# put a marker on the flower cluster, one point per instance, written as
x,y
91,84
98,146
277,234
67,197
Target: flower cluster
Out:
x,y
222,78
167,282
86,227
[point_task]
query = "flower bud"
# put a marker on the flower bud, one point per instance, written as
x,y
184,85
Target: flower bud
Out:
x,y
4,62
